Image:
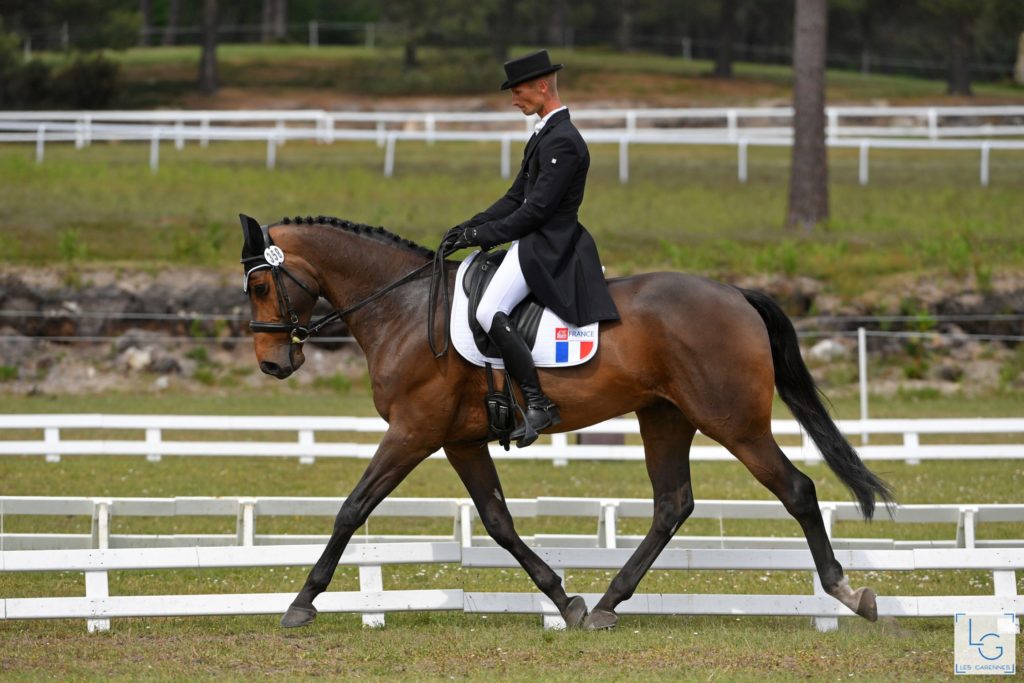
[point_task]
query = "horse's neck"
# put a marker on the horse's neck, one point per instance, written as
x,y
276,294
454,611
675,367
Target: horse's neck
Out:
x,y
354,267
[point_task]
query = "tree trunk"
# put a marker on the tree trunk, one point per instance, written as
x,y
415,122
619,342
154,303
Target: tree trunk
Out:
x,y
624,38
409,59
1018,72
280,20
557,24
146,15
208,59
808,180
726,38
501,24
961,40
267,21
173,15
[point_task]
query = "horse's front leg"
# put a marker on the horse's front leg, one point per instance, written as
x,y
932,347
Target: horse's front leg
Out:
x,y
474,465
396,456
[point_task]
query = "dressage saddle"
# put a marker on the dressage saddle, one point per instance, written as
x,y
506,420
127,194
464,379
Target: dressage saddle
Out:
x,y
526,316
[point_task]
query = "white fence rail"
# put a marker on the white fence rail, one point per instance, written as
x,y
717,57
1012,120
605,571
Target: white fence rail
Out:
x,y
560,450
890,128
606,514
373,601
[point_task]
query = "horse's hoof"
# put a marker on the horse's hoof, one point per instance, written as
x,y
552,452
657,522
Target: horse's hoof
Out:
x,y
600,620
298,616
867,606
575,612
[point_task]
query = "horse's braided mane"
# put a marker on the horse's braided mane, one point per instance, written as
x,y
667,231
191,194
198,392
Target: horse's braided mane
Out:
x,y
377,233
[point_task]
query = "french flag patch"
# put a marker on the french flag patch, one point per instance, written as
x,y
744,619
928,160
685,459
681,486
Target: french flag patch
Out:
x,y
573,347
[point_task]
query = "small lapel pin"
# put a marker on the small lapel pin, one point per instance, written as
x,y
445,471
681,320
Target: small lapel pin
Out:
x,y
554,160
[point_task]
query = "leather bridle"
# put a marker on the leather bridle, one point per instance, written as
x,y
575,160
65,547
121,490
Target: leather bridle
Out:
x,y
273,259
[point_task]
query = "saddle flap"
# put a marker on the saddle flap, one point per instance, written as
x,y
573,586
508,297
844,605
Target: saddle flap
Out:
x,y
553,342
525,316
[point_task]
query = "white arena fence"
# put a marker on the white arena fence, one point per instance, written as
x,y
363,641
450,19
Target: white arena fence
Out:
x,y
929,128
603,550
558,448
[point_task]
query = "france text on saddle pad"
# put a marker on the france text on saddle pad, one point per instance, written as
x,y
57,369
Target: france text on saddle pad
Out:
x,y
558,343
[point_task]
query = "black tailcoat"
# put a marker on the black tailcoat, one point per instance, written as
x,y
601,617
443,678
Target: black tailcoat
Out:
x,y
558,256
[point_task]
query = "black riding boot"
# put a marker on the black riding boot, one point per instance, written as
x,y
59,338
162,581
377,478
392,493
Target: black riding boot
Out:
x,y
540,412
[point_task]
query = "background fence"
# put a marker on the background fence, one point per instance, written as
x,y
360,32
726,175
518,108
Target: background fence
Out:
x,y
560,450
861,128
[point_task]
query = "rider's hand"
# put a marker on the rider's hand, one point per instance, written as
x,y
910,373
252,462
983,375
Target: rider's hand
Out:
x,y
458,237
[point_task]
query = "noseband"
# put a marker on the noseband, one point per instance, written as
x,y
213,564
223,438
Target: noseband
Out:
x,y
273,259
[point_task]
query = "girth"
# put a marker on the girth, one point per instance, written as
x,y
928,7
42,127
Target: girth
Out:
x,y
526,316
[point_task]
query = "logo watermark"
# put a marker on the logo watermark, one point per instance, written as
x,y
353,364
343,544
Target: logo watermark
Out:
x,y
985,644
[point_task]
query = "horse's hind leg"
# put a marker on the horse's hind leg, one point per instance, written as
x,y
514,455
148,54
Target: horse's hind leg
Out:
x,y
475,467
767,462
667,436
394,459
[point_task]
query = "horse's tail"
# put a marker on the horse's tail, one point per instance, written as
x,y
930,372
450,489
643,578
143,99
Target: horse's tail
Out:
x,y
801,394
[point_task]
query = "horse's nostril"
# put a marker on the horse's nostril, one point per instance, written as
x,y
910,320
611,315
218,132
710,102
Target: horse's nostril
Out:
x,y
270,368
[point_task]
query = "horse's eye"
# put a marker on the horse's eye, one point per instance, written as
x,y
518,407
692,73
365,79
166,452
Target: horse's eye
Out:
x,y
260,289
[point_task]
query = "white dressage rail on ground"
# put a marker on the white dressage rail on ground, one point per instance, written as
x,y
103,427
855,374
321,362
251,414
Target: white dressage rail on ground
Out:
x,y
99,607
248,512
560,449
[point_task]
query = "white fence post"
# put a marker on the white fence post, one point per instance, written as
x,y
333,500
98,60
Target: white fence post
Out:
x,y
204,132
154,151
741,151
271,152
179,135
40,143
464,524
245,524
933,123
430,127
51,435
624,160
825,624
862,368
607,526
911,440
153,436
732,119
314,34
371,580
389,156
96,585
306,438
560,442
984,163
809,449
863,166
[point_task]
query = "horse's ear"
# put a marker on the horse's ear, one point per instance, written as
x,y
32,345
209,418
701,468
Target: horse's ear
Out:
x,y
253,234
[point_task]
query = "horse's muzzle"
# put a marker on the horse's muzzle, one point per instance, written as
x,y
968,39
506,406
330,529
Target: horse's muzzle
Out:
x,y
276,370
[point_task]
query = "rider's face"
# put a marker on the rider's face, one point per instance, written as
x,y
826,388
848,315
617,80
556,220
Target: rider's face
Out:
x,y
529,97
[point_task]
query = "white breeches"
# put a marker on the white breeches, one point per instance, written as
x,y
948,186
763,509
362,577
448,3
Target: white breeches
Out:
x,y
507,288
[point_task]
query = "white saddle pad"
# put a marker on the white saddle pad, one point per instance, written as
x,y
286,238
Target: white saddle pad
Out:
x,y
558,343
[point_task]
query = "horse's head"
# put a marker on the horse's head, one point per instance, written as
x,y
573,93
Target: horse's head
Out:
x,y
281,297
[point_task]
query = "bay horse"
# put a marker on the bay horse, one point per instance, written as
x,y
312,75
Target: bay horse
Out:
x,y
689,353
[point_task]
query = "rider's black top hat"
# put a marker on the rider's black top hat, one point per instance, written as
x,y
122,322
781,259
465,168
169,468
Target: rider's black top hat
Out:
x,y
527,68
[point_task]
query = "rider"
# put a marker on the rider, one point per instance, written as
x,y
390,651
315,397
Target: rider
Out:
x,y
551,255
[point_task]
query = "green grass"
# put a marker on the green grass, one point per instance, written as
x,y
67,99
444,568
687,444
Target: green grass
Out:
x,y
923,213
